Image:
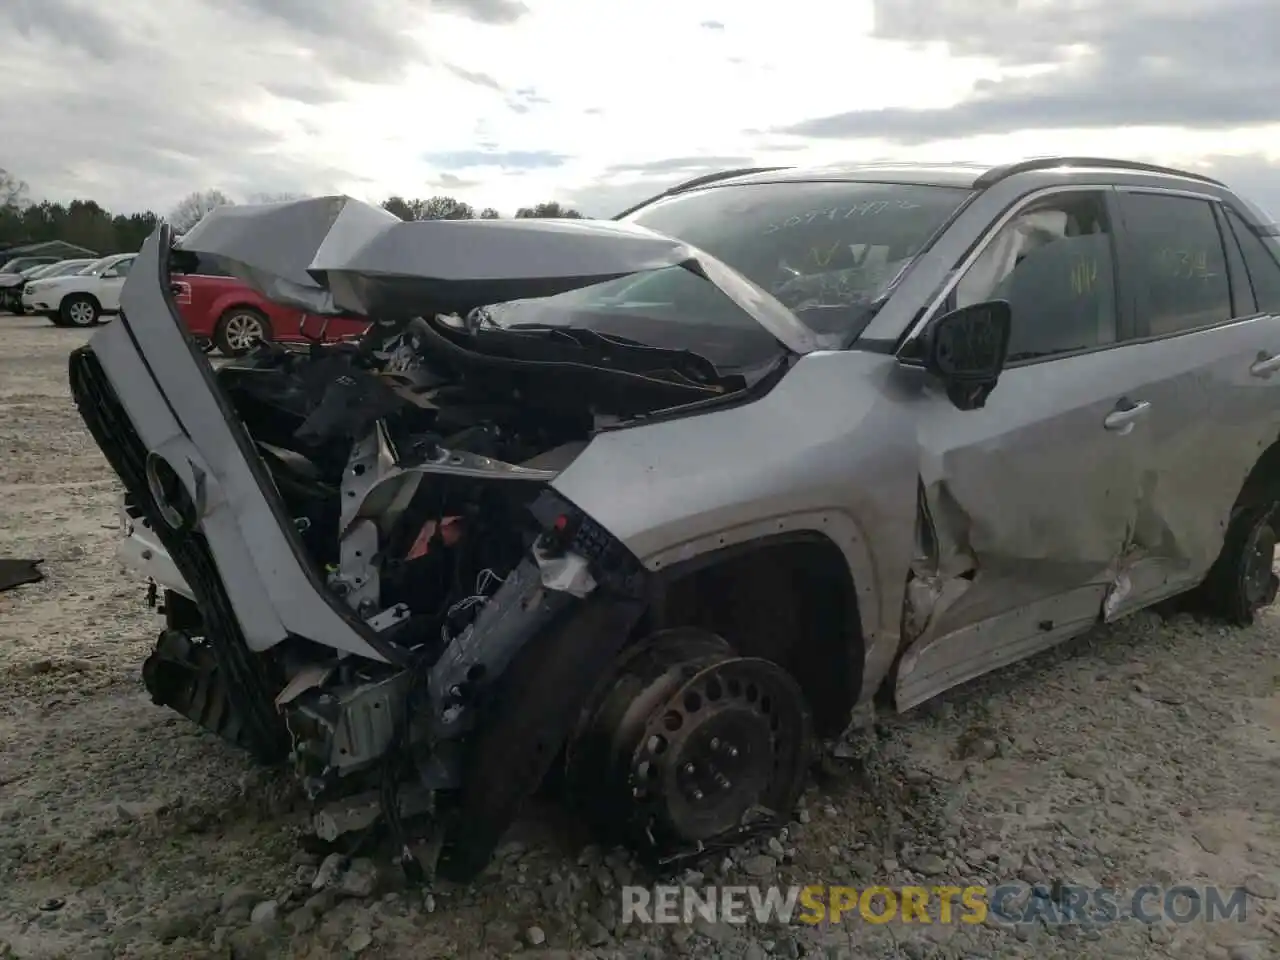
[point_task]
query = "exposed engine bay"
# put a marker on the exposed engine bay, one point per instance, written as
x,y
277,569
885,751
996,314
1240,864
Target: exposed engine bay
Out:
x,y
495,629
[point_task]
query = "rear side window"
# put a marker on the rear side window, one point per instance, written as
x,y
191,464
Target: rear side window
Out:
x,y
1179,260
1260,261
194,265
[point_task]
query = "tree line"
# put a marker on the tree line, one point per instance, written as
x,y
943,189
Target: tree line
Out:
x,y
86,223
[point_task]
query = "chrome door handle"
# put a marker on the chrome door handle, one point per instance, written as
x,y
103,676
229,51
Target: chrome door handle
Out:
x,y
1265,365
1121,421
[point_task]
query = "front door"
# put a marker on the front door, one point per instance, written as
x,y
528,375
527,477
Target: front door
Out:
x,y
1030,500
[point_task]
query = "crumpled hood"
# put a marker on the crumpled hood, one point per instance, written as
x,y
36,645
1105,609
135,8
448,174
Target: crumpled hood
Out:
x,y
337,254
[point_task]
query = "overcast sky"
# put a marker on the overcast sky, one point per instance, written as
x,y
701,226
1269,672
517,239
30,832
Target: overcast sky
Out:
x,y
510,102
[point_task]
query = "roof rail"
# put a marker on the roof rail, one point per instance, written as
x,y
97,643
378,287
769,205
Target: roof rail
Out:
x,y
996,174
698,181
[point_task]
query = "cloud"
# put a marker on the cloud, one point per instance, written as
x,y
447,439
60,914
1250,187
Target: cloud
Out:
x,y
1179,63
508,103
526,99
72,24
473,76
520,159
499,12
691,166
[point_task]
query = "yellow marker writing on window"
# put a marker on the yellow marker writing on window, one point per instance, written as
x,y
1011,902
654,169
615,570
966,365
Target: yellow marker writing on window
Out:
x,y
1084,277
824,259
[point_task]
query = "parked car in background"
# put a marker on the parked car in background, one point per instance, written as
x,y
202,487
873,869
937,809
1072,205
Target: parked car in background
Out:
x,y
62,268
19,264
11,286
11,293
223,312
80,299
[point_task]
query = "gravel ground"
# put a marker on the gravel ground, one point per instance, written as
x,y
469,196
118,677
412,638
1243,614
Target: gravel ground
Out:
x,y
1147,752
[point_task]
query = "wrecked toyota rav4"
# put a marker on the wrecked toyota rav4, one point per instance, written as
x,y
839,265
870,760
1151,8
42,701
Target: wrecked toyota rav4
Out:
x,y
657,504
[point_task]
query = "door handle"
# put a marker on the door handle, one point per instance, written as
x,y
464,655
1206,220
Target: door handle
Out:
x,y
1265,365
1121,419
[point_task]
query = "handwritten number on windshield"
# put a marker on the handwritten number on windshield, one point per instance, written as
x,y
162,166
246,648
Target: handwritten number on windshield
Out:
x,y
871,208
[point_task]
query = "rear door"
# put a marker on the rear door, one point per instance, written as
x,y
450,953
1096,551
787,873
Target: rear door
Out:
x,y
1205,366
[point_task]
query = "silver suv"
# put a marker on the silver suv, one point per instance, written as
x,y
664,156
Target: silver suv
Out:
x,y
660,502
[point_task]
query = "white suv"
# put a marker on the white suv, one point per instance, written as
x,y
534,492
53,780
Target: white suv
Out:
x,y
81,299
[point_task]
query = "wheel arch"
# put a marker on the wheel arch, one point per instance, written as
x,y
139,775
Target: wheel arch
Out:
x,y
789,597
87,294
1262,482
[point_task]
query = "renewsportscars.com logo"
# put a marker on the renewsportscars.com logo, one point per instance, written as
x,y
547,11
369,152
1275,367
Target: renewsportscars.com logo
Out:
x,y
1005,903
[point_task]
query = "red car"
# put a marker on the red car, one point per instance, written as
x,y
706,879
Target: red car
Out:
x,y
226,313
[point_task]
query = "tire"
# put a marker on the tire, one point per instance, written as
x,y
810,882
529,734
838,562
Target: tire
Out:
x,y
54,318
1241,582
241,329
80,310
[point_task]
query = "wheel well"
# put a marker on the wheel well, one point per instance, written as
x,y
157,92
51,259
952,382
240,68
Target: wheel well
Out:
x,y
789,599
244,308
84,294
1263,482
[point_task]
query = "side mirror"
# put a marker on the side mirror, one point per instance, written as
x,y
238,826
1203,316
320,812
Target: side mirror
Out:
x,y
966,350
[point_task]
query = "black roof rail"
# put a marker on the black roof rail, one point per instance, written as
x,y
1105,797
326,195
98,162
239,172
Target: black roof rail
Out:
x,y
996,174
698,181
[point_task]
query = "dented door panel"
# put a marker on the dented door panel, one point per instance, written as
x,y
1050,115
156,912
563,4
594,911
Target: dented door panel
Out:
x,y
1029,499
1211,418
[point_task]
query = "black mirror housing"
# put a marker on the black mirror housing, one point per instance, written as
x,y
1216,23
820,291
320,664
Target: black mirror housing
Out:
x,y
966,350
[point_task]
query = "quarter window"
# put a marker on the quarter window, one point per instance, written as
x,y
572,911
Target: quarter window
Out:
x,y
1179,262
1260,261
1053,263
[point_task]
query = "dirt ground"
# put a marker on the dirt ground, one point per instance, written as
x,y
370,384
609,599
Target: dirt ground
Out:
x,y
1144,753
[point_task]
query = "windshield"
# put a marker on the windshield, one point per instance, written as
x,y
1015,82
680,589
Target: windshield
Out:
x,y
66,268
15,265
36,270
827,250
96,267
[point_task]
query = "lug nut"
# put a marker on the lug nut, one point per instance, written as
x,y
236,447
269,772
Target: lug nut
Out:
x,y
715,743
723,781
688,770
697,794
732,751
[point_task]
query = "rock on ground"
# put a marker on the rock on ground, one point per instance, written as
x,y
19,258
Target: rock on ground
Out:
x,y
1146,752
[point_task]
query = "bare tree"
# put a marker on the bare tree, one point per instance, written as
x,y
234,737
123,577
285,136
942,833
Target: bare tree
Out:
x,y
436,208
445,208
13,192
552,211
192,208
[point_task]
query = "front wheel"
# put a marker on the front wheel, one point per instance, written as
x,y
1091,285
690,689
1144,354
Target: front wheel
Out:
x,y
80,310
1241,581
688,743
240,330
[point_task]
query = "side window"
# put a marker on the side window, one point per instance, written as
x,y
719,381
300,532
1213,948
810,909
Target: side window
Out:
x,y
1179,261
121,269
1053,263
1260,260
